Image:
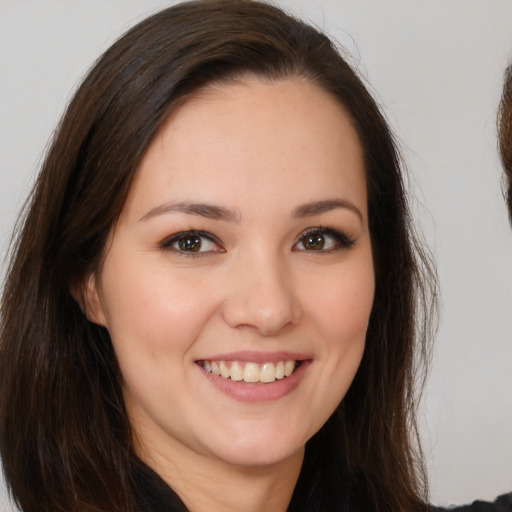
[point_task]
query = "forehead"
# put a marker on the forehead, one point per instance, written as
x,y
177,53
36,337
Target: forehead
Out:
x,y
280,139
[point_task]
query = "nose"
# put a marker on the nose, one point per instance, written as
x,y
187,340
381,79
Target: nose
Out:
x,y
262,297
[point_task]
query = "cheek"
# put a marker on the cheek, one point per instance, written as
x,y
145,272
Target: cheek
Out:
x,y
339,311
153,307
342,306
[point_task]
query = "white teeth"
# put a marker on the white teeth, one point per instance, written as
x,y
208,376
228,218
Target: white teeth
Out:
x,y
280,370
215,368
236,372
268,373
250,372
224,370
289,366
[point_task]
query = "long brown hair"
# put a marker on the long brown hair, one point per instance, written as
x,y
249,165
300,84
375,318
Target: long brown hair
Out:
x,y
505,136
65,438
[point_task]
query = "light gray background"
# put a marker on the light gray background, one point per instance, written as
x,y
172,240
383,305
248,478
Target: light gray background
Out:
x,y
437,66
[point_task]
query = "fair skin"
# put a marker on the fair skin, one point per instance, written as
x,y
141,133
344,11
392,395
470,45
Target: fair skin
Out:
x,y
244,239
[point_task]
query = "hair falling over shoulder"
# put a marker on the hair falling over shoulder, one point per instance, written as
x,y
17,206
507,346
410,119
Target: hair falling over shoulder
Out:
x,y
65,439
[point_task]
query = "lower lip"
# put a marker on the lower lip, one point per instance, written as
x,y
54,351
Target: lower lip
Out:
x,y
258,392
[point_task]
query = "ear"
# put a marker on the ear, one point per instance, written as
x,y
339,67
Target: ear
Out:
x,y
87,296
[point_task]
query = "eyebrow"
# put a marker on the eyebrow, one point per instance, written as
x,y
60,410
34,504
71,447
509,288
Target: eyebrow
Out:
x,y
215,212
208,211
317,207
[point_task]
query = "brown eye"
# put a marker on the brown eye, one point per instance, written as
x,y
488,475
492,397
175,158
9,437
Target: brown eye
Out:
x,y
189,243
322,240
192,242
314,242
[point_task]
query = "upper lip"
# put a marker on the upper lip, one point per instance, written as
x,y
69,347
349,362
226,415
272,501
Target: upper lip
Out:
x,y
249,356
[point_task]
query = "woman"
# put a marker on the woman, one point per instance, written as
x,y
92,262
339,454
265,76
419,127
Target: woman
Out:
x,y
215,300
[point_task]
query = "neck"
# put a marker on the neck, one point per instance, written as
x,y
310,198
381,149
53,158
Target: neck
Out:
x,y
205,484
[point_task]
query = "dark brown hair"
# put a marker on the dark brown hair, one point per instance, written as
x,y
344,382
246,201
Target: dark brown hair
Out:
x,y
65,438
505,136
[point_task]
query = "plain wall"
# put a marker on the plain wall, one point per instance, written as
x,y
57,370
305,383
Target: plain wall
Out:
x,y
437,67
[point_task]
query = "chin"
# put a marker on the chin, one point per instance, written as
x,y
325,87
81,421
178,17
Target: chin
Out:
x,y
264,451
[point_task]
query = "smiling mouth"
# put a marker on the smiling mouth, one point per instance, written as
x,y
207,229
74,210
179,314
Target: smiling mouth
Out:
x,y
251,372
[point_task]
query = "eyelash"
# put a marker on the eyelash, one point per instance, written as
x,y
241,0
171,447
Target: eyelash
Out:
x,y
341,241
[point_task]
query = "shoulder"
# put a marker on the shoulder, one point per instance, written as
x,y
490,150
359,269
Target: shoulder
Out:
x,y
501,504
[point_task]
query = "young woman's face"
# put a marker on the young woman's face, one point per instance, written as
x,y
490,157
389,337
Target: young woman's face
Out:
x,y
243,248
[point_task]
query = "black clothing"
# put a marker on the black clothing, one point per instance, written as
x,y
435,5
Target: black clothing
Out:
x,y
152,494
502,504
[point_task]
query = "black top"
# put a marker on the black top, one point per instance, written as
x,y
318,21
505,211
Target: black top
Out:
x,y
152,494
502,504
